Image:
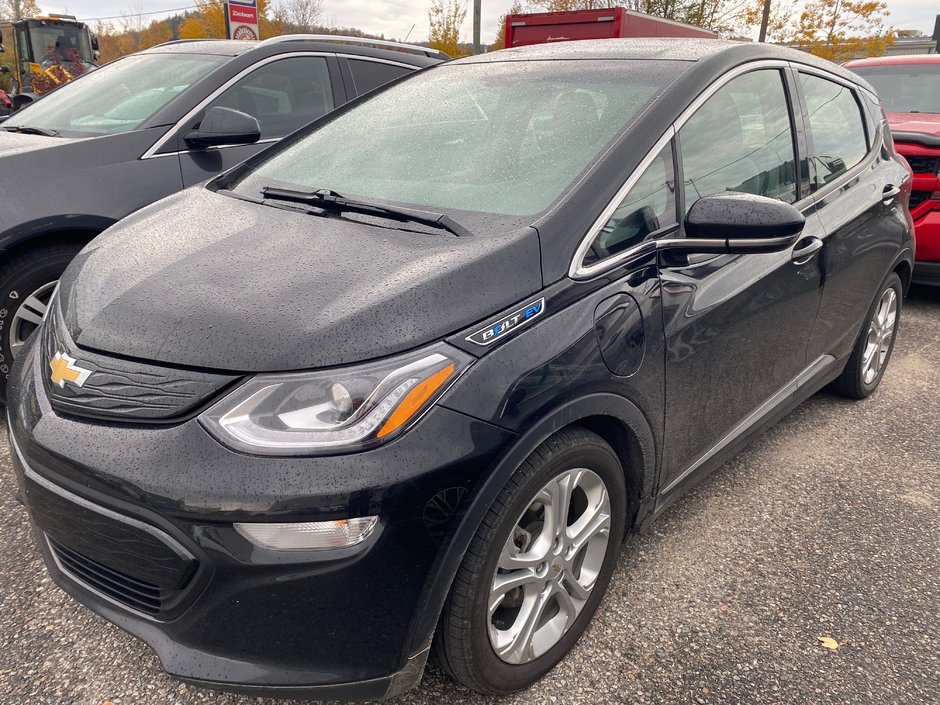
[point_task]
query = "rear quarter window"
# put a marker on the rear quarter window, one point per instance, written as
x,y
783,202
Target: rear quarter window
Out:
x,y
369,75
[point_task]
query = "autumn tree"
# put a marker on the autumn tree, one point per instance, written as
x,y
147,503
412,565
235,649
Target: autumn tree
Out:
x,y
445,18
302,15
157,32
843,29
11,10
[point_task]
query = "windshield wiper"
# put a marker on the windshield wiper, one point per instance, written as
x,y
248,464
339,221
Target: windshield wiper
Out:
x,y
332,201
24,130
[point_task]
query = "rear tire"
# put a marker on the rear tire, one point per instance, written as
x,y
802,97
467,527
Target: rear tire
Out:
x,y
26,284
875,343
498,640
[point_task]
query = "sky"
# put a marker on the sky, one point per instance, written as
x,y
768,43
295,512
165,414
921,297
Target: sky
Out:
x,y
394,18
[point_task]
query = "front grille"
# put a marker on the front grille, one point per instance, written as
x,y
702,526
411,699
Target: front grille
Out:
x,y
924,165
136,594
918,197
123,389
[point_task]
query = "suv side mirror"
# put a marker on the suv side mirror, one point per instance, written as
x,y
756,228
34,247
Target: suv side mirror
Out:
x,y
224,126
741,223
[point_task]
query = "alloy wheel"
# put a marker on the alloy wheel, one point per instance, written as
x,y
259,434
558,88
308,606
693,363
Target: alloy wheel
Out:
x,y
549,565
880,335
29,315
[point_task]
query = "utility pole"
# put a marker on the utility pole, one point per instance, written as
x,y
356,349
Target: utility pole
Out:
x,y
476,26
763,22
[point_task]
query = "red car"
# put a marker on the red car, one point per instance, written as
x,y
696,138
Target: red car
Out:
x,y
909,87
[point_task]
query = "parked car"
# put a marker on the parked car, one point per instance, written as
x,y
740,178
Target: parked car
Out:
x,y
405,381
147,126
909,87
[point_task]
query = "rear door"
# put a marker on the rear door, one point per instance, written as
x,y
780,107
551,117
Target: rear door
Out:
x,y
856,189
736,326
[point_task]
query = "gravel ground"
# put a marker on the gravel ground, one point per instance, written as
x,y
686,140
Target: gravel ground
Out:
x,y
827,526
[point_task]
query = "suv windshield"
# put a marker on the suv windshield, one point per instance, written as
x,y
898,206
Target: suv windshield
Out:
x,y
505,137
905,88
118,97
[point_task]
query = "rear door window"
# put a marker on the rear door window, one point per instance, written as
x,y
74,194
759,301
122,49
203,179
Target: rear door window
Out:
x,y
839,141
741,139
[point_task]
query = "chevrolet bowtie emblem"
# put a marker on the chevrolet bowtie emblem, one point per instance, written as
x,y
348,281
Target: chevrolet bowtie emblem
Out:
x,y
65,370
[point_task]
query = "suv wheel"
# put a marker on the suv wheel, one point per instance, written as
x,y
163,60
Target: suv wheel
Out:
x,y
26,286
537,568
872,351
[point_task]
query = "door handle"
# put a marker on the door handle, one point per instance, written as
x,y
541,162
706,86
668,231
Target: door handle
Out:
x,y
890,193
805,253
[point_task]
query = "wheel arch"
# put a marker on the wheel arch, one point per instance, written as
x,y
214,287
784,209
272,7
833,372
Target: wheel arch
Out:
x,y
615,419
79,230
905,270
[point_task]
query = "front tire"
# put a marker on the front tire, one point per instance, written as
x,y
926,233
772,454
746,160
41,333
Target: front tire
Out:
x,y
537,568
872,351
26,285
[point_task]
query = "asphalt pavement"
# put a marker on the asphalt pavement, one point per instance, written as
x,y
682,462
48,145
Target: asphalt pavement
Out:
x,y
826,526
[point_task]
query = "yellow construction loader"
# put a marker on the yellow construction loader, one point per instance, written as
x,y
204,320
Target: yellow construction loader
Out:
x,y
46,52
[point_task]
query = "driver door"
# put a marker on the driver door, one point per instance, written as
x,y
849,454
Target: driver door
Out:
x,y
283,95
737,327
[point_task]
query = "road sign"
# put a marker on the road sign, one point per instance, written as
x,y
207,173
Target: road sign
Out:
x,y
241,17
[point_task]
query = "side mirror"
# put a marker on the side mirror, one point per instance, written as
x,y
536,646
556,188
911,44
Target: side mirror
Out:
x,y
223,126
94,42
741,223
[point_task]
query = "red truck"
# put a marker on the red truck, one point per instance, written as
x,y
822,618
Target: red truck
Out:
x,y
606,23
909,88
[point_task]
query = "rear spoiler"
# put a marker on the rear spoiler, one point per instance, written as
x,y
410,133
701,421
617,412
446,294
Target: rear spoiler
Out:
x,y
924,139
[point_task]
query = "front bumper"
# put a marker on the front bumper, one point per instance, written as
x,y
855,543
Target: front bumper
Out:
x,y
135,522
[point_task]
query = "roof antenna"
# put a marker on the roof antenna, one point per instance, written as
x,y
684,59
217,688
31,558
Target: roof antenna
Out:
x,y
413,29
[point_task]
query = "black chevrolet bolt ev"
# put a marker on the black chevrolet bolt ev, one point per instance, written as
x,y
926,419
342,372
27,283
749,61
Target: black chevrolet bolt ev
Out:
x,y
404,382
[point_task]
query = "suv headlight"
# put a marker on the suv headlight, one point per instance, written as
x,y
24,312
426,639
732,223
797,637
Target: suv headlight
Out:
x,y
337,410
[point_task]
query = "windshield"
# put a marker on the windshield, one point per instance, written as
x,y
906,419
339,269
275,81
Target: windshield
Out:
x,y
905,88
504,138
64,44
118,97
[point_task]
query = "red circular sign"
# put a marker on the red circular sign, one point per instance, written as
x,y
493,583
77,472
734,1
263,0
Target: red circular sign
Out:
x,y
244,33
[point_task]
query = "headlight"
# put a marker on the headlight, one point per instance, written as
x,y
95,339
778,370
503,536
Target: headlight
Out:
x,y
334,411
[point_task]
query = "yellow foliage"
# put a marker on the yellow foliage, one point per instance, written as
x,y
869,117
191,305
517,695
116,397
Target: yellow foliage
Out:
x,y
445,18
839,30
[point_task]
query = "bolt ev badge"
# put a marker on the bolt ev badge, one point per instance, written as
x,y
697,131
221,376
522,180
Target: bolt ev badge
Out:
x,y
507,324
65,370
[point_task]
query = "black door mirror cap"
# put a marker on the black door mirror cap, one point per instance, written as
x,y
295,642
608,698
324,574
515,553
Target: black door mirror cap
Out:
x,y
224,126
733,222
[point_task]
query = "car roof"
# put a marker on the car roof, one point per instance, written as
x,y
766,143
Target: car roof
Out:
x,y
894,60
220,47
718,52
406,53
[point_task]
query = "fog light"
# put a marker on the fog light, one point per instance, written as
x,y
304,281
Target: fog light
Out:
x,y
307,536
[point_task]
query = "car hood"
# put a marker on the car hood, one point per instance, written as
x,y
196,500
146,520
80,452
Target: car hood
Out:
x,y
927,123
13,143
206,280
